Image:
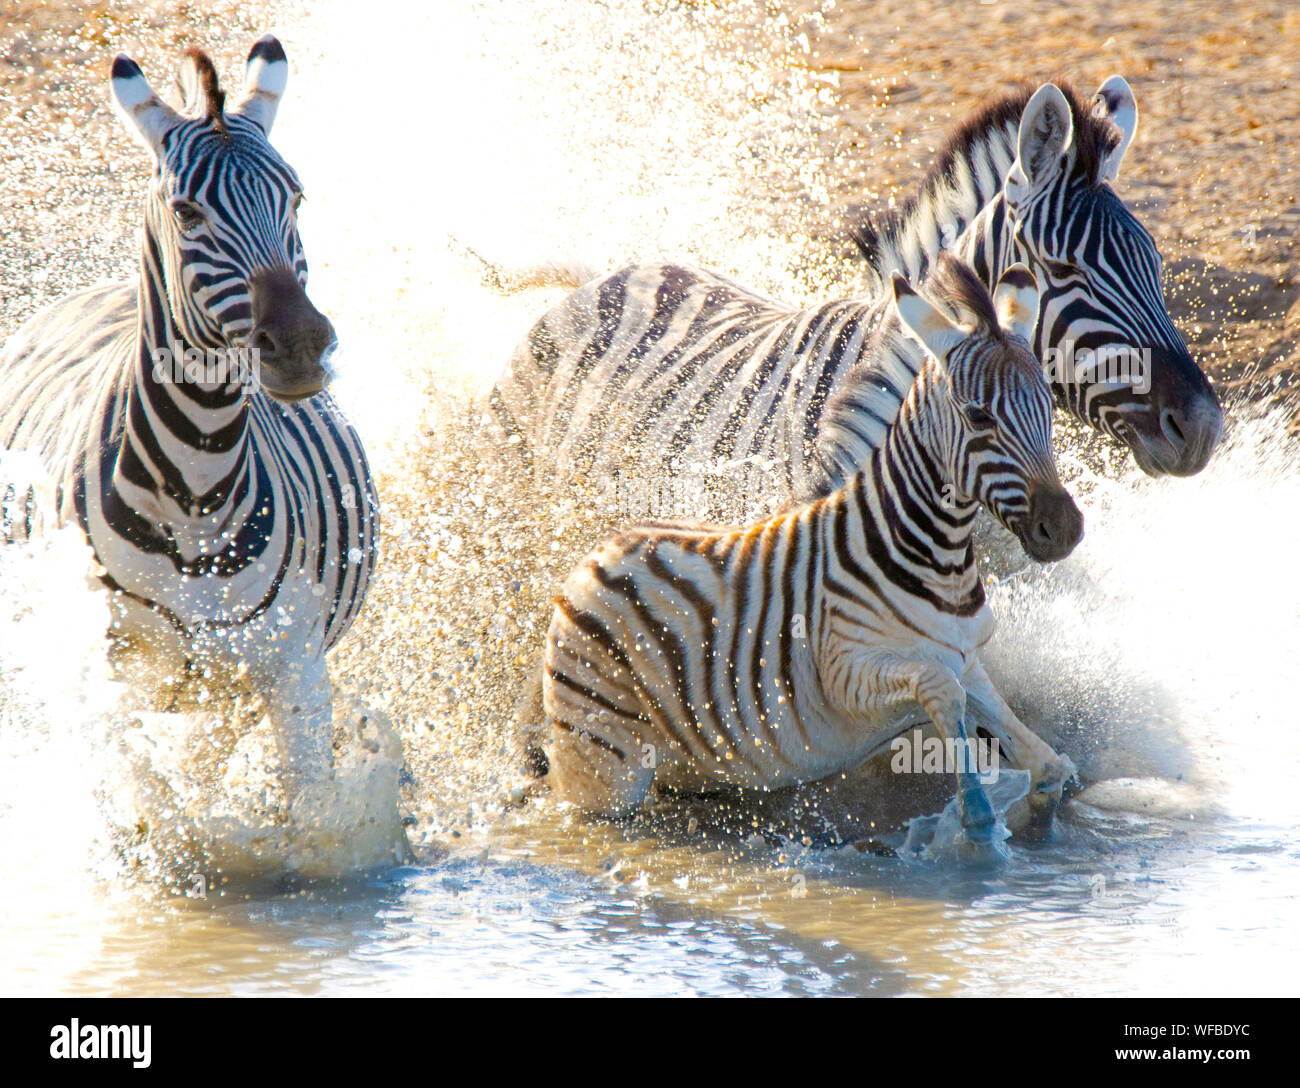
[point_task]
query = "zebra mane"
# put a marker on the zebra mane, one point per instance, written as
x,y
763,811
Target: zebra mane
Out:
x,y
969,171
206,97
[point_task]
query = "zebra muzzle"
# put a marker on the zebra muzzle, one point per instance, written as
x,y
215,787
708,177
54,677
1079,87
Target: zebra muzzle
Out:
x,y
1053,526
293,340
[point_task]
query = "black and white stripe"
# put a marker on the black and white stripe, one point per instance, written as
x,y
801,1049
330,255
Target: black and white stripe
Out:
x,y
658,370
798,646
236,521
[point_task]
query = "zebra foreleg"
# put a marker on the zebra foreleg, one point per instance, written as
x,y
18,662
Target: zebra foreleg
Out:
x,y
302,717
26,497
864,685
1049,770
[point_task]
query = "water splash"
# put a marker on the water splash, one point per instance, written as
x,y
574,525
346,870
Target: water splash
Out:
x,y
1163,651
535,133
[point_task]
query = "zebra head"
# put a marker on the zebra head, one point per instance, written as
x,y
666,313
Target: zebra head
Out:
x,y
221,219
996,416
1104,334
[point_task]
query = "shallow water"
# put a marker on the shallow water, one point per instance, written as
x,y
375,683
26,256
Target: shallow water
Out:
x,y
1160,655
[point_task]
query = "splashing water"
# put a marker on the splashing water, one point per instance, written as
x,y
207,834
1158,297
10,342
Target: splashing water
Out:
x,y
1159,656
532,134
1163,648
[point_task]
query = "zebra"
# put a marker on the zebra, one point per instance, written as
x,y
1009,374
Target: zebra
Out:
x,y
798,646
659,370
229,505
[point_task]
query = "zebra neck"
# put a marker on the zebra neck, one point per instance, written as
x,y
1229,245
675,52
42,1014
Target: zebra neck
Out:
x,y
183,462
860,416
858,419
910,503
988,243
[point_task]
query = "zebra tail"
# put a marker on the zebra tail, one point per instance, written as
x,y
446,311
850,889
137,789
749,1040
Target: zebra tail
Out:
x,y
513,281
530,719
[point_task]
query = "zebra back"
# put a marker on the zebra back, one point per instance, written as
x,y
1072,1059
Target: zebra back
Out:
x,y
661,373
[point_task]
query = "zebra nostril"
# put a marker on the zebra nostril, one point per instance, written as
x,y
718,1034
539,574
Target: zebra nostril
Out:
x,y
1053,527
1172,428
263,343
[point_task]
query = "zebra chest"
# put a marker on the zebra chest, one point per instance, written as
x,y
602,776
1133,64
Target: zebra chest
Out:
x,y
254,614
255,593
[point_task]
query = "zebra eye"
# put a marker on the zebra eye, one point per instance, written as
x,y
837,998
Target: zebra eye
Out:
x,y
1063,270
189,216
978,418
298,198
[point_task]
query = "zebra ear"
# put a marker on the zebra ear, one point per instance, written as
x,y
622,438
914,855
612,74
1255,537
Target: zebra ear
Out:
x,y
1046,130
265,78
1016,300
925,322
1114,100
148,116
193,93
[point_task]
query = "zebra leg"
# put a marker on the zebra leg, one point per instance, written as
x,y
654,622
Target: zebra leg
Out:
x,y
302,716
17,514
876,681
26,497
1049,770
977,816
599,773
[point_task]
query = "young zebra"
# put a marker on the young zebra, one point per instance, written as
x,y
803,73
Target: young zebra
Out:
x,y
790,649
657,369
235,520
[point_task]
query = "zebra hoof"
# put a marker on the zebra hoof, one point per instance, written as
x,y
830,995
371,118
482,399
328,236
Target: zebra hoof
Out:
x,y
978,842
1040,821
537,763
1037,823
979,851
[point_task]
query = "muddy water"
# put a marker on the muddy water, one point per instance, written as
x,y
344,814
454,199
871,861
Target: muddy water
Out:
x,y
1160,655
